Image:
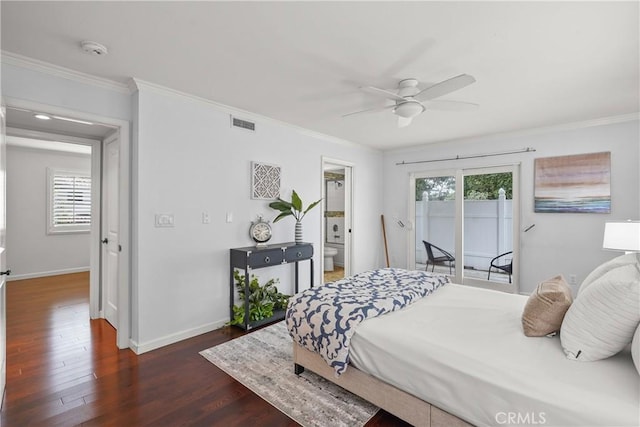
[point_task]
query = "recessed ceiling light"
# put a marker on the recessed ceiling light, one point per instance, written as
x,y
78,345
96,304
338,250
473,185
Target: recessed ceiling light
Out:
x,y
41,116
94,48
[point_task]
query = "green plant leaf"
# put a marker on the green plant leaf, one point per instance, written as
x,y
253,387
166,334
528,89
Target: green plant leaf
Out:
x,y
282,215
281,205
296,201
311,206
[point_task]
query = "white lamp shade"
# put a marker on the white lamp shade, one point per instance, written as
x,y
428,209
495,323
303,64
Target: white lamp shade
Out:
x,y
622,236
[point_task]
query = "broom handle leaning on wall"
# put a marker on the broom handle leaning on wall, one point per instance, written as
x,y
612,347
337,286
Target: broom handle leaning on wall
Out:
x,y
384,236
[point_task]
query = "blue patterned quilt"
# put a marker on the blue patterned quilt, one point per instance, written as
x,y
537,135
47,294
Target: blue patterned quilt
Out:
x,y
323,319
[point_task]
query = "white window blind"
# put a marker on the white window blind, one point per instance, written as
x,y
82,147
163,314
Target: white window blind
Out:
x,y
69,202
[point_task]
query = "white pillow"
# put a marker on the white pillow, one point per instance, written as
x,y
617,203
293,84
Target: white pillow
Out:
x,y
635,348
632,258
605,314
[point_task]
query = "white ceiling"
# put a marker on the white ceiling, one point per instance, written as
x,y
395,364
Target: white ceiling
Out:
x,y
536,63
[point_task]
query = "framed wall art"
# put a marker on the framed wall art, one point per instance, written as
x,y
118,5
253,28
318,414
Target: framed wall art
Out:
x,y
265,181
578,183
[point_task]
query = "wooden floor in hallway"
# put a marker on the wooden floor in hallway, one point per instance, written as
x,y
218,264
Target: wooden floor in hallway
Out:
x,y
64,369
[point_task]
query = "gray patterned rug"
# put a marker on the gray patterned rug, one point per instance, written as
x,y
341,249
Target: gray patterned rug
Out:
x,y
262,361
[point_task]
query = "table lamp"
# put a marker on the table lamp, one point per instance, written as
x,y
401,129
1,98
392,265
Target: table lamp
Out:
x,y
622,236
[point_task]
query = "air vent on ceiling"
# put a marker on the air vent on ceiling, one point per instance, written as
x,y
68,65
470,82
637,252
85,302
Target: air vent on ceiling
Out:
x,y
243,124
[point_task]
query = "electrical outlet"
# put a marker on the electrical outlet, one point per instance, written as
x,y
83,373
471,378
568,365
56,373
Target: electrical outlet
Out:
x,y
573,280
205,218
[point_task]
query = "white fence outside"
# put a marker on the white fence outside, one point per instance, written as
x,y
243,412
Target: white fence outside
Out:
x,y
488,229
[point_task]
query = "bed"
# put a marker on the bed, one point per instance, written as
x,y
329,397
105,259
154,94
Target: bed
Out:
x,y
458,356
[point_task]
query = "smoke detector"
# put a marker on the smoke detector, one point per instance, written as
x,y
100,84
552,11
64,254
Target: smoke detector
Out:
x,y
94,48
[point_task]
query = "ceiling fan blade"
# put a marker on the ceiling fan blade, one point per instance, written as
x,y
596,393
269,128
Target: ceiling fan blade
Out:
x,y
403,122
369,110
382,92
445,87
441,104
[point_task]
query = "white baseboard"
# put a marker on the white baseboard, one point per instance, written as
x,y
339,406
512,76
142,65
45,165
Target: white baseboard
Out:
x,y
46,273
139,348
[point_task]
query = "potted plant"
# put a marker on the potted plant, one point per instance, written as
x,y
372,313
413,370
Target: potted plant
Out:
x,y
264,300
293,208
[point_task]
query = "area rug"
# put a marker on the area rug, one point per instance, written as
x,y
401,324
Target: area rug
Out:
x,y
262,361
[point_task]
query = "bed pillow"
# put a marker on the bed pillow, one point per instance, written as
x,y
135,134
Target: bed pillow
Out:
x,y
604,316
635,349
546,307
622,260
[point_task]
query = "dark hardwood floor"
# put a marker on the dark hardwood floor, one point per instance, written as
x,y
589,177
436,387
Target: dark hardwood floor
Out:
x,y
64,369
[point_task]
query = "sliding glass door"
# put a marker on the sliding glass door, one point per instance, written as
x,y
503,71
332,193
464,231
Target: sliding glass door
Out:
x,y
435,236
466,224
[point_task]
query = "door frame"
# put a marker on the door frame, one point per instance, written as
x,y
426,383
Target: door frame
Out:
x,y
3,278
349,197
459,174
124,276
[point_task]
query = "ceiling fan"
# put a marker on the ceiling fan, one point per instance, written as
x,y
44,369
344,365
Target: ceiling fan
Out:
x,y
410,101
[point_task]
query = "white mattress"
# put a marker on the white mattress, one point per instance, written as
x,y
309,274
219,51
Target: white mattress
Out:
x,y
463,350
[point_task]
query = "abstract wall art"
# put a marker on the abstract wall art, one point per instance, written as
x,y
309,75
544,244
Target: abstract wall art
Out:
x,y
578,183
265,181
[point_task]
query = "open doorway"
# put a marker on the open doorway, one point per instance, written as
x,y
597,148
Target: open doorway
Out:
x,y
55,125
337,196
50,203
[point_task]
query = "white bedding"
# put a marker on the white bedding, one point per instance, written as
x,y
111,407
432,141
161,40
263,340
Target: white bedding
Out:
x,y
463,350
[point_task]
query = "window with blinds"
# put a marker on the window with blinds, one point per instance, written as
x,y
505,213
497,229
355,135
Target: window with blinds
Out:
x,y
69,201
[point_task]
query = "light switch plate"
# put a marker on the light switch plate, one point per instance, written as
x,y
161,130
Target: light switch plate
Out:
x,y
164,220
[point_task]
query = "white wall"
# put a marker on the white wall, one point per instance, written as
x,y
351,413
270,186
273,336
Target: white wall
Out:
x,y
188,160
31,251
28,84
559,243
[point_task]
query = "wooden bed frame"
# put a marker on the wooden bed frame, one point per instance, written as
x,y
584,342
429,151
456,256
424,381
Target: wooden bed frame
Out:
x,y
393,400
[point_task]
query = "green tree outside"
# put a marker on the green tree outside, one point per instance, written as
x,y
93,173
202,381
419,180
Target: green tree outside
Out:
x,y
476,187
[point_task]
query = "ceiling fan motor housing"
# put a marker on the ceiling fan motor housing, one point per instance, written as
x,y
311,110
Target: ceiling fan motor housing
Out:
x,y
408,87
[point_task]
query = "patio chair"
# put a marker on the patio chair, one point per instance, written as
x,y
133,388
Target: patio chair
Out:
x,y
504,264
441,257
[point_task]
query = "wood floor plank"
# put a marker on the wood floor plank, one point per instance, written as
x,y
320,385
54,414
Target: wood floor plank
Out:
x,y
64,369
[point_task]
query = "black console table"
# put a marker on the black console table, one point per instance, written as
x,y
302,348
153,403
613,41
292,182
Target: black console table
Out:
x,y
252,257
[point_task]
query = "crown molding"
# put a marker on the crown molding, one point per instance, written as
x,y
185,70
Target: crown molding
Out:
x,y
65,73
136,84
603,121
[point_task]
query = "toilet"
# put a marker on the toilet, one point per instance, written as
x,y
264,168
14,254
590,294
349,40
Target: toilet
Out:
x,y
329,253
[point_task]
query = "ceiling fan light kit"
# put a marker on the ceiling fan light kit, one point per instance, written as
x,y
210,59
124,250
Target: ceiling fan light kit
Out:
x,y
409,109
409,99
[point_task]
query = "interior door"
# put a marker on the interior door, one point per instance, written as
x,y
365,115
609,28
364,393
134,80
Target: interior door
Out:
x,y
3,263
110,229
